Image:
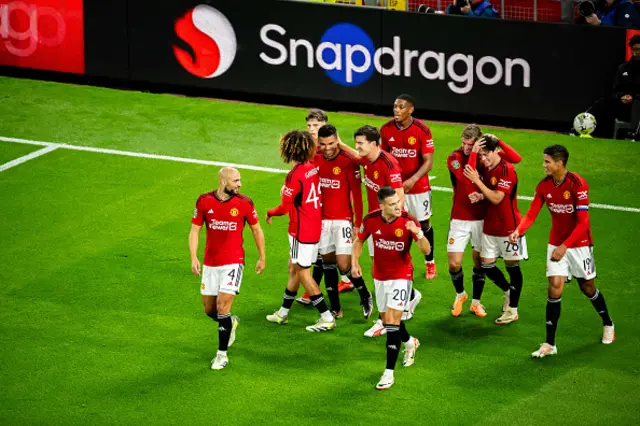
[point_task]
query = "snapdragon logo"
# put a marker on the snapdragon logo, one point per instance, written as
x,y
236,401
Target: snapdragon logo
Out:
x,y
349,57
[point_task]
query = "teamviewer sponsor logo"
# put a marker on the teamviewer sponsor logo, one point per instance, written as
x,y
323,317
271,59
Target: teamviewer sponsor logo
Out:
x,y
389,245
222,225
329,183
349,57
561,208
403,152
212,38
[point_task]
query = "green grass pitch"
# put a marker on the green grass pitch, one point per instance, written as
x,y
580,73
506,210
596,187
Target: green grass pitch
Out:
x,y
101,319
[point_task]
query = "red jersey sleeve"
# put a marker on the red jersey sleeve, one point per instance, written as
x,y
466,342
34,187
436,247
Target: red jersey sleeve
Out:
x,y
395,175
534,210
251,215
455,167
581,195
198,214
290,189
508,153
507,182
426,142
363,232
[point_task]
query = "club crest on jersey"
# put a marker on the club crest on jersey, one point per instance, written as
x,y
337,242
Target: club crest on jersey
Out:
x,y
234,212
455,164
566,195
494,180
399,232
412,140
195,212
376,174
336,170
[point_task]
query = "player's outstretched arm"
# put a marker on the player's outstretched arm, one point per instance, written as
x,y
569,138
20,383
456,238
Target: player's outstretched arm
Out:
x,y
529,218
356,270
258,237
347,148
508,153
194,235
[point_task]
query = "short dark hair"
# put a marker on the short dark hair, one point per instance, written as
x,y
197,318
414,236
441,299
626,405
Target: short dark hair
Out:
x,y
491,143
317,114
408,98
385,192
369,132
558,153
327,130
634,40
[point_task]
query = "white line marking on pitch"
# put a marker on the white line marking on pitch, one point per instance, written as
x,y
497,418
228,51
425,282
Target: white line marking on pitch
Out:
x,y
28,157
50,146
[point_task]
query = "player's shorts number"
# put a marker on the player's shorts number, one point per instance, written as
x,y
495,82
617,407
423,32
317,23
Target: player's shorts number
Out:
x,y
346,233
508,247
589,265
399,294
232,274
425,204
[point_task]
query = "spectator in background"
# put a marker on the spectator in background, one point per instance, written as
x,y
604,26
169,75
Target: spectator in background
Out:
x,y
481,8
624,102
610,13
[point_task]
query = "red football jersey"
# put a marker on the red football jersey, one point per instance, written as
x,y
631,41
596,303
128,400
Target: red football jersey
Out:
x,y
301,192
341,183
408,146
383,171
462,208
564,201
225,222
392,245
502,219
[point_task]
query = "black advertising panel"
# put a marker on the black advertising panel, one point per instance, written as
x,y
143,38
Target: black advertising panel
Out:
x,y
106,42
105,35
310,51
498,68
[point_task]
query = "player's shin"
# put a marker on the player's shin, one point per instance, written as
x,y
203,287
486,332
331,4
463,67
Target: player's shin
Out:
x,y
458,280
287,302
405,337
359,284
553,315
225,324
495,275
598,302
478,284
394,339
428,232
331,280
318,270
515,276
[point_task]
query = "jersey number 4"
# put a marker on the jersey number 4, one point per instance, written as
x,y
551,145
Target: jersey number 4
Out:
x,y
314,196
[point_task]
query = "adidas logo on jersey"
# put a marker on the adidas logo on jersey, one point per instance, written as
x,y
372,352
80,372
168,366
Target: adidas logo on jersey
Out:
x,y
391,139
210,211
378,232
549,196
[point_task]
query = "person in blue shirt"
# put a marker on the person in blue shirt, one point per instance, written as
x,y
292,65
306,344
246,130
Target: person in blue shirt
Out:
x,y
615,13
481,8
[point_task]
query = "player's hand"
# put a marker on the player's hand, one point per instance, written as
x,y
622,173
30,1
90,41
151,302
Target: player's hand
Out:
x,y
412,227
260,266
408,184
195,267
626,99
465,9
513,238
356,270
471,174
558,253
475,197
269,219
592,19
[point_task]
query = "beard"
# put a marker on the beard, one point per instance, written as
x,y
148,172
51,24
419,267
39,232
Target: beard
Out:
x,y
229,192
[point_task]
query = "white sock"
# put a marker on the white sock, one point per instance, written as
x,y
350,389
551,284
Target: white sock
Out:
x,y
223,353
283,312
388,372
459,295
475,301
514,310
430,261
326,316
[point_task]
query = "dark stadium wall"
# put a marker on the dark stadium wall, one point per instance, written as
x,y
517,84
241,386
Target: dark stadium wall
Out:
x,y
513,73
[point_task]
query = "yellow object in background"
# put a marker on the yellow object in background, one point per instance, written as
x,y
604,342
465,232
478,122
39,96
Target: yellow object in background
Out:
x,y
397,4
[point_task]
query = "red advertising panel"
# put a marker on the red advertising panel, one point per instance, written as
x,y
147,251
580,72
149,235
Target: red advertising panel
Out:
x,y
630,34
42,34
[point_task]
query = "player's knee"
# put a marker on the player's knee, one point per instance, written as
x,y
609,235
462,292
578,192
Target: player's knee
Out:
x,y
454,265
588,288
211,312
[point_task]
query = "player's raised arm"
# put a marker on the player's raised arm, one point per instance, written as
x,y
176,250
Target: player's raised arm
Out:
x,y
508,153
193,248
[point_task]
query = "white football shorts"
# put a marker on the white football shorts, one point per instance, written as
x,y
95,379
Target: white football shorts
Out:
x,y
577,262
461,231
393,294
302,254
336,237
418,205
221,279
495,247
